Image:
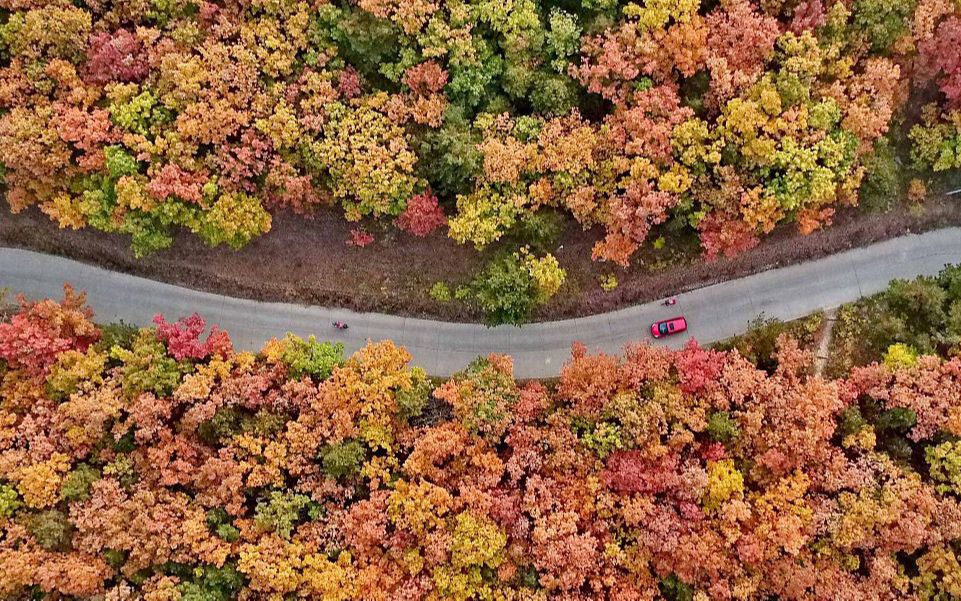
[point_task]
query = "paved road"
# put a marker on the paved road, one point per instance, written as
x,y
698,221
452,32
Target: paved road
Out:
x,y
715,312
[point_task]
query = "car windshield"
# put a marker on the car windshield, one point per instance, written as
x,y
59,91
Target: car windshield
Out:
x,y
662,328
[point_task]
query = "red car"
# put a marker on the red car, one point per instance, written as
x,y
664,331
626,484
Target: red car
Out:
x,y
666,327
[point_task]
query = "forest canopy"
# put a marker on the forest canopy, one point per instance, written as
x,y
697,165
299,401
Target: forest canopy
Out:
x,y
160,463
721,118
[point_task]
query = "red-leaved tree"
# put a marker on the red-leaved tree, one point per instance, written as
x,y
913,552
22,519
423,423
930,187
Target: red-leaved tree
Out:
x,y
422,216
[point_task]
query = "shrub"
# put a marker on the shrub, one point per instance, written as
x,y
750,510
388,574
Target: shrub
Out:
x,y
310,357
441,292
546,274
881,186
761,341
221,523
512,285
504,291
344,460
413,399
900,355
722,428
211,583
76,486
9,501
944,461
52,529
280,512
120,334
422,216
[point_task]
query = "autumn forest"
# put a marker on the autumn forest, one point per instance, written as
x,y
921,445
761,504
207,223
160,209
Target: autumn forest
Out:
x,y
724,118
163,463
160,463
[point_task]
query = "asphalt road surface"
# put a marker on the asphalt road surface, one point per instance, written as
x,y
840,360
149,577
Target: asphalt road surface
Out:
x,y
540,350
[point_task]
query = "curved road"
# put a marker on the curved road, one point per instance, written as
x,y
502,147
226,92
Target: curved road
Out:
x,y
714,312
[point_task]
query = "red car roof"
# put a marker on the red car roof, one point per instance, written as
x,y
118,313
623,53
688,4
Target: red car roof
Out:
x,y
673,325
